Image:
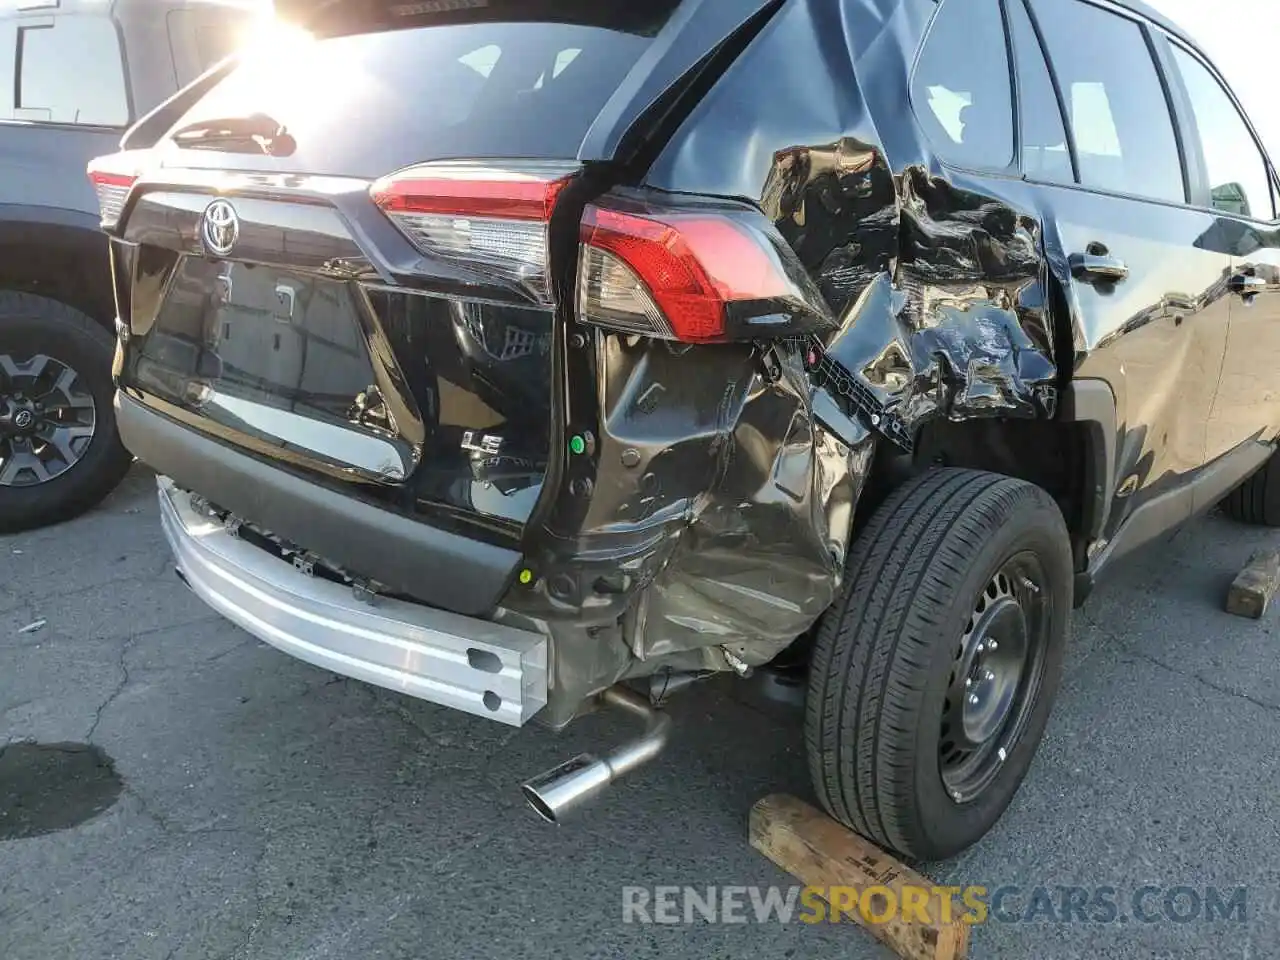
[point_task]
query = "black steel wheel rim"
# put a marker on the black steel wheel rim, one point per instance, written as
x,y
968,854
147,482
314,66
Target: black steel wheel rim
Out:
x,y
47,419
995,677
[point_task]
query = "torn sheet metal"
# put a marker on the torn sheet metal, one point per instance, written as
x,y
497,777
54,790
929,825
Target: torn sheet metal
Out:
x,y
958,328
717,524
939,286
713,530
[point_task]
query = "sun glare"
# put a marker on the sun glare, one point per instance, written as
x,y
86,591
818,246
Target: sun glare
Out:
x,y
287,71
267,39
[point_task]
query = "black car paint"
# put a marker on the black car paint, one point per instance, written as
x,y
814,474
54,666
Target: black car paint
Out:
x,y
705,522
947,278
440,366
957,301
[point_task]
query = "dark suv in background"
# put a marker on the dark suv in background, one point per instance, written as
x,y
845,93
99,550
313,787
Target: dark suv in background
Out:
x,y
76,74
509,354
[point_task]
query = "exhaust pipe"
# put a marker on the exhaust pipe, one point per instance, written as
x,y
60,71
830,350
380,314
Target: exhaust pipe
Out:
x,y
562,789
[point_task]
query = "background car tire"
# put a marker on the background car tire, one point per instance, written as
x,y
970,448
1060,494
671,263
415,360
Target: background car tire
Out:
x,y
33,326
1257,500
885,661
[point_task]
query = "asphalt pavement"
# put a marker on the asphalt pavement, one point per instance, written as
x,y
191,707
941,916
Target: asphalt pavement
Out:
x,y
240,804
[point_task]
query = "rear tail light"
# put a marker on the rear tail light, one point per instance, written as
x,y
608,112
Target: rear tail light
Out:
x,y
490,218
694,271
699,274
113,176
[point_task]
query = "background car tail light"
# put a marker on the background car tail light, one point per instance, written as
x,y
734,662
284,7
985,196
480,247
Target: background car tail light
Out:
x,y
112,176
488,217
697,274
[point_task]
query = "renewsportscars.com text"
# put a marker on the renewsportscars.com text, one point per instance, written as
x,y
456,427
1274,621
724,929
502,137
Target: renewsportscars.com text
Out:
x,y
972,904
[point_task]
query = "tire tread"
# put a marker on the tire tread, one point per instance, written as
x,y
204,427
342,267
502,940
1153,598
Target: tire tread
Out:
x,y
873,649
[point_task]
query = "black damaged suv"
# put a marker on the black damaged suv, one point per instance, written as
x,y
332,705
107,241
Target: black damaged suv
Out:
x,y
507,354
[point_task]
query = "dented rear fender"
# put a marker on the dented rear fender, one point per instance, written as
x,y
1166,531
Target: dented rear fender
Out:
x,y
706,528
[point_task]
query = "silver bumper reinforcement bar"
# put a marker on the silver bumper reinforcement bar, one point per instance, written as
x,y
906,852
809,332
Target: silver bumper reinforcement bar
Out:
x,y
474,665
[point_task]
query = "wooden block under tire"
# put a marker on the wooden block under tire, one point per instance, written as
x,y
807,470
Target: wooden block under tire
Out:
x,y
1255,585
824,854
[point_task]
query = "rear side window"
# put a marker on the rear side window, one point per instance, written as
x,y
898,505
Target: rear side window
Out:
x,y
965,102
1045,153
70,69
493,89
1116,102
1238,179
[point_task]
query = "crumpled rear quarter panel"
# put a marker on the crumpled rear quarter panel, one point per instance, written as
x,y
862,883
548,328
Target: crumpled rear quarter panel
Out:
x,y
939,281
724,487
717,519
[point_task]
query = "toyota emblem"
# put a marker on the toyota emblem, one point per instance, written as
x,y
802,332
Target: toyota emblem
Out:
x,y
220,228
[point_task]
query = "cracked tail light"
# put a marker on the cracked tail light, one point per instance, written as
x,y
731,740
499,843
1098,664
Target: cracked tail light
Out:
x,y
113,176
491,218
697,274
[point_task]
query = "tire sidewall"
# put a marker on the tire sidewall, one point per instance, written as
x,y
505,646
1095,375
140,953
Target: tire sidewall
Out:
x,y
51,328
1035,525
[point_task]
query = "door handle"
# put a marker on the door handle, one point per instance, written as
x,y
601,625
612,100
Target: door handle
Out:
x,y
1098,267
1247,285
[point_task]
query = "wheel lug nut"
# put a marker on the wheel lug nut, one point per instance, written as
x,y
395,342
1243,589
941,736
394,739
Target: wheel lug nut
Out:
x,y
988,676
982,648
973,699
968,682
993,645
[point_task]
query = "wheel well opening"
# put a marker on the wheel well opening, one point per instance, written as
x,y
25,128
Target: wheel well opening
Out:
x,y
1053,455
76,272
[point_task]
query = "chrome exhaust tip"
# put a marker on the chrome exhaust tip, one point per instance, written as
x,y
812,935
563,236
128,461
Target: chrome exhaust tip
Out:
x,y
572,784
564,788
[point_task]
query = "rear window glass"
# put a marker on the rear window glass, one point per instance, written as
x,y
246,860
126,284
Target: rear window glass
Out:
x,y
494,89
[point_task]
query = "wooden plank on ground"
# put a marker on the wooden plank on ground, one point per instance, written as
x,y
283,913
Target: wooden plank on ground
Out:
x,y
1255,585
828,856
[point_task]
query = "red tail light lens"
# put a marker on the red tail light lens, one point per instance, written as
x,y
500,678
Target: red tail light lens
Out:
x,y
698,275
112,176
491,218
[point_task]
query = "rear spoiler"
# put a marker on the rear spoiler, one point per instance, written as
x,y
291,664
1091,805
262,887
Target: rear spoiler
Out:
x,y
340,17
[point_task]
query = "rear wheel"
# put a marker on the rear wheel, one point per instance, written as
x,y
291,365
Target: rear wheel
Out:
x,y
934,674
59,452
1257,500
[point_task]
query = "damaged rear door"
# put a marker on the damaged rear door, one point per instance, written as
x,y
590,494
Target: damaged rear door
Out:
x,y
1149,300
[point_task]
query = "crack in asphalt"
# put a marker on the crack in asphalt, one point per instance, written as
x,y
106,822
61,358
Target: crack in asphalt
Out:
x,y
1202,680
248,641
243,948
144,807
123,666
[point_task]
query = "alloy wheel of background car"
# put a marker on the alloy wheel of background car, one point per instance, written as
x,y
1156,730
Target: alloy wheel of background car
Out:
x,y
47,419
59,450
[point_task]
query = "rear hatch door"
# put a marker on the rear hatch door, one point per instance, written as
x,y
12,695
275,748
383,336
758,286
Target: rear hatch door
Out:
x,y
371,354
